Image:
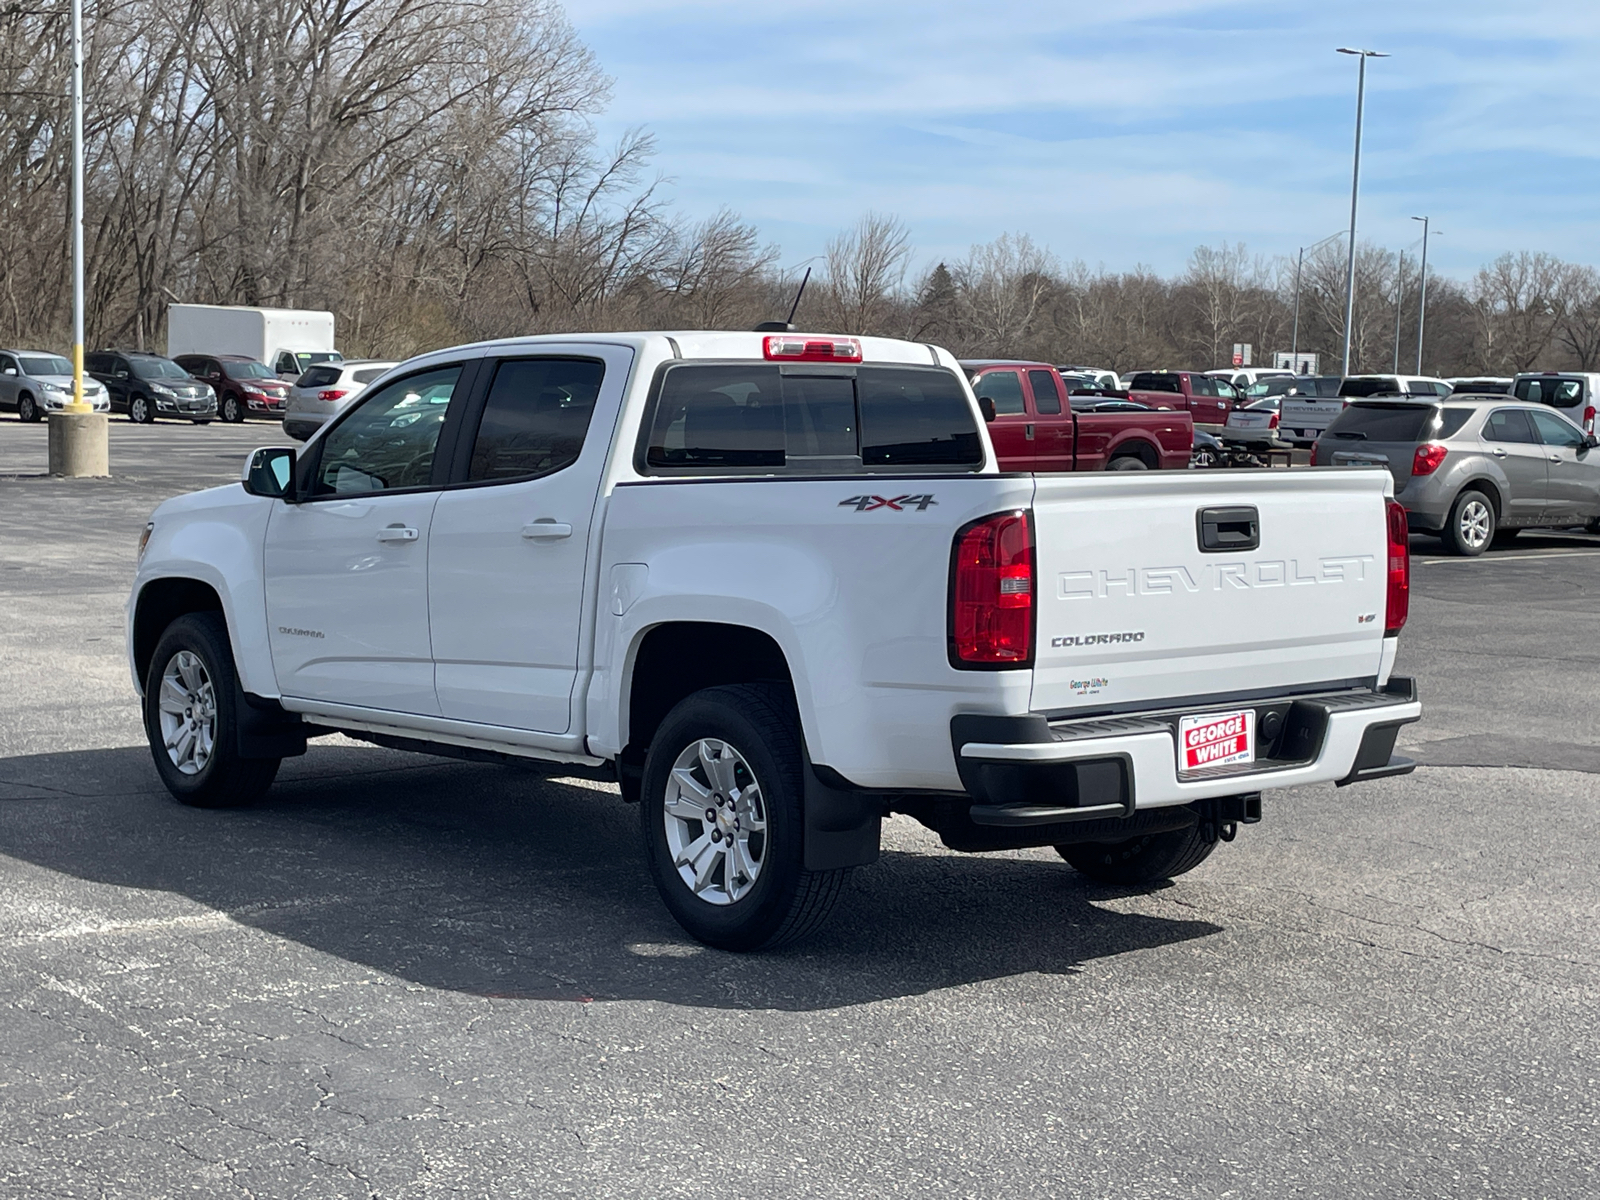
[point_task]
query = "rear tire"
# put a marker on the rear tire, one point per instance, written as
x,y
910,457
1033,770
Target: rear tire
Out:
x,y
1471,524
192,721
1128,462
753,889
27,410
1142,860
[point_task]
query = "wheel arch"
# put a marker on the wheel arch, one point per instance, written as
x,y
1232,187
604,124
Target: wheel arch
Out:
x,y
1486,485
1134,445
159,604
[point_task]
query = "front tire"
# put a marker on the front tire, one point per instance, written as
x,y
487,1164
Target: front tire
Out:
x,y
723,820
191,717
141,411
232,412
1140,861
27,410
1471,525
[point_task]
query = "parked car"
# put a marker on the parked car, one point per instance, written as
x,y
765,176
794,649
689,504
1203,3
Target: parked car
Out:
x,y
1243,378
1359,386
324,390
1097,377
1480,385
1035,426
1309,408
1472,467
34,382
1208,452
1571,393
1255,425
774,600
147,386
1206,399
244,387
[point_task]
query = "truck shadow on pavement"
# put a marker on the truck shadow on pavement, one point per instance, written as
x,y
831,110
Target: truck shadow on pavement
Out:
x,y
494,881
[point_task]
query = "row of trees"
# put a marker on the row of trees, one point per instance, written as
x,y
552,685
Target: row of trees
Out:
x,y
427,169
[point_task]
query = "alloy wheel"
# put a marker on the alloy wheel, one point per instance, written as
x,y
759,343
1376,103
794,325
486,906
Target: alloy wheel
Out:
x,y
1476,523
716,821
188,707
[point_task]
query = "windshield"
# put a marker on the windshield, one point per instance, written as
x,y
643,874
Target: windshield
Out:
x,y
306,357
248,370
45,364
157,368
1384,386
1276,385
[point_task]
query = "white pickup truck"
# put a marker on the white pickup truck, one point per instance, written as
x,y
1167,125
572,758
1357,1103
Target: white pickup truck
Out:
x,y
775,586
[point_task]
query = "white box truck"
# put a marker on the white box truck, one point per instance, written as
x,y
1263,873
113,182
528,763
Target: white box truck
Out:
x,y
287,339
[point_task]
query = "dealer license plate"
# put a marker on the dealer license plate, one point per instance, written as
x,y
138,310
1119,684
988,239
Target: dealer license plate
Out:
x,y
1218,739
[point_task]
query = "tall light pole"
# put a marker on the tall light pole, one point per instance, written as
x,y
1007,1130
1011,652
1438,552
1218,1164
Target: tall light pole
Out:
x,y
1422,305
78,439
1355,192
1299,263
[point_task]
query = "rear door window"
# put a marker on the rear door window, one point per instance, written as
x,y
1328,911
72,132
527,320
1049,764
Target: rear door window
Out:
x,y
1046,400
1509,425
367,374
1383,422
535,418
1152,381
753,418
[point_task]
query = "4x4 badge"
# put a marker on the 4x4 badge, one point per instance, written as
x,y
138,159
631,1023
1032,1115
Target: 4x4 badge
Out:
x,y
897,503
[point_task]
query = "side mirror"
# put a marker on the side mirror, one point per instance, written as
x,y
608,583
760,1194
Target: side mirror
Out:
x,y
270,472
986,406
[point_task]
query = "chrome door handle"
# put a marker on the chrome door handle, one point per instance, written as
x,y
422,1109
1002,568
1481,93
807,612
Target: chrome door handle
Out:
x,y
1555,458
546,530
1499,453
397,533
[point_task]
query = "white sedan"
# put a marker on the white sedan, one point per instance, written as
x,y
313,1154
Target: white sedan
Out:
x,y
1256,424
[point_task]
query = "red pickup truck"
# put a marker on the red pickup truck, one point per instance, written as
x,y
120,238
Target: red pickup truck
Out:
x,y
1206,399
1035,429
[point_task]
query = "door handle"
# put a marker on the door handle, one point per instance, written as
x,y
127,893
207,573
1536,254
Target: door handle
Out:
x,y
546,530
397,533
1027,432
1499,453
1555,458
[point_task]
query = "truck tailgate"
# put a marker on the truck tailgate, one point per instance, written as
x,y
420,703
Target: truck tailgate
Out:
x,y
1133,611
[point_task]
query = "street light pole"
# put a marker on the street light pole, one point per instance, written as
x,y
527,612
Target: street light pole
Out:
x,y
78,435
1355,192
1422,304
1300,262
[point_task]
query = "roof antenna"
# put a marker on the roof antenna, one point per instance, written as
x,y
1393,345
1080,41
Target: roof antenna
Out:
x,y
787,326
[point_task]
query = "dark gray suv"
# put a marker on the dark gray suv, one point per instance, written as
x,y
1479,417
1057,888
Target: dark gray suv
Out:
x,y
1471,468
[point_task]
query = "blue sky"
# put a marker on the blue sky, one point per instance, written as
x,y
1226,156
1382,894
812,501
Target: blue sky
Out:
x,y
1124,131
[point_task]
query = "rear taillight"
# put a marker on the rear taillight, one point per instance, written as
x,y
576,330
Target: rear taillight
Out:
x,y
1588,419
1314,454
1273,424
991,593
331,394
799,347
1398,606
1427,459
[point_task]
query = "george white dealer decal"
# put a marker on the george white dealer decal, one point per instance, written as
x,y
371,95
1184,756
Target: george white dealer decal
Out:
x,y
1212,577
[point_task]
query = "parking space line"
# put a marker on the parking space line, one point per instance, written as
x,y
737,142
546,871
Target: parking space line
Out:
x,y
1517,557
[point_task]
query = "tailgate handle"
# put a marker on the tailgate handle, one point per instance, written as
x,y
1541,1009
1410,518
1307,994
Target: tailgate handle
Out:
x,y
1222,529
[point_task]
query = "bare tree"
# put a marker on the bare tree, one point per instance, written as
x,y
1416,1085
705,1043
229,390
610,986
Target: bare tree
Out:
x,y
1518,299
1578,327
864,269
1000,288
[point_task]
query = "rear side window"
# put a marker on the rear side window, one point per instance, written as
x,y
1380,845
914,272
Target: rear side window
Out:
x,y
1153,381
1451,420
367,374
752,418
535,418
1383,422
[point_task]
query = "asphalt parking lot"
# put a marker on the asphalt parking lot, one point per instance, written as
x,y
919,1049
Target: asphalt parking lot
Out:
x,y
401,976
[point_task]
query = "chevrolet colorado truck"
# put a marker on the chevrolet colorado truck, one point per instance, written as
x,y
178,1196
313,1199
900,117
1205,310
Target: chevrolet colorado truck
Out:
x,y
1035,426
776,587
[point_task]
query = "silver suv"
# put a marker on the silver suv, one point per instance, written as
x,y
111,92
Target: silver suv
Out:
x,y
1471,468
324,390
34,382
